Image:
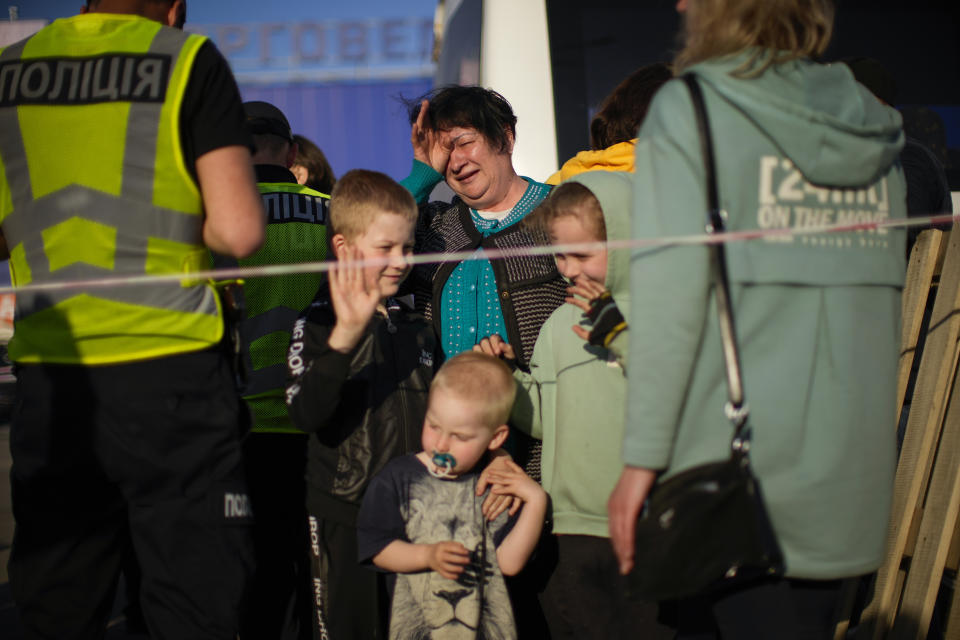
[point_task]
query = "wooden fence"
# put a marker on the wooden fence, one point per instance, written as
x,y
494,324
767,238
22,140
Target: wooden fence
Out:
x,y
922,541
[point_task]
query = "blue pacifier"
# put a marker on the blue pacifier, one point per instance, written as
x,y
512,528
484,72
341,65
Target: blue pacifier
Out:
x,y
443,465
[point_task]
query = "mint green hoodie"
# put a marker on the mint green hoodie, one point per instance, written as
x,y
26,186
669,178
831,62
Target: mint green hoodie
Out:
x,y
574,396
817,315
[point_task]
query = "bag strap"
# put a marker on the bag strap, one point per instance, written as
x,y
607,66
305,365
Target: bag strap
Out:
x,y
736,408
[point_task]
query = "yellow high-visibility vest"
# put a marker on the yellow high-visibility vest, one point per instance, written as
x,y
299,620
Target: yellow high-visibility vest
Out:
x,y
93,184
296,232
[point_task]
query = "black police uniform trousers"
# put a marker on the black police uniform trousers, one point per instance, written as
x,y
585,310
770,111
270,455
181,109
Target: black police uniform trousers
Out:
x,y
149,450
280,598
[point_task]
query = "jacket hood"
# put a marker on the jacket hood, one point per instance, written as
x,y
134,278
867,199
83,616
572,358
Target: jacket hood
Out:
x,y
614,190
618,157
831,127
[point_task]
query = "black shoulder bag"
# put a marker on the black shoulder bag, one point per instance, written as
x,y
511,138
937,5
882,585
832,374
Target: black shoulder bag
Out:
x,y
707,528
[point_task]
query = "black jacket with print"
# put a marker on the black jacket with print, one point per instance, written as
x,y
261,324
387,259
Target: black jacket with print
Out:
x,y
362,409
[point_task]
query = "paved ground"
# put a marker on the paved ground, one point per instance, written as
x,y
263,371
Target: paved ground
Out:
x,y
10,628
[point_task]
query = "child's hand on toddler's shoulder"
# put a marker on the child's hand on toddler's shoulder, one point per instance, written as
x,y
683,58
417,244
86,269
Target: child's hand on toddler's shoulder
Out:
x,y
512,481
448,558
493,505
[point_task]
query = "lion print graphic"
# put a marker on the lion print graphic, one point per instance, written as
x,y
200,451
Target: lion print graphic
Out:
x,y
427,606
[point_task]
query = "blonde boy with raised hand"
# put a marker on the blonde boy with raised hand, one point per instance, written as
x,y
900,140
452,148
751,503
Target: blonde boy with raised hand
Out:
x,y
360,365
423,520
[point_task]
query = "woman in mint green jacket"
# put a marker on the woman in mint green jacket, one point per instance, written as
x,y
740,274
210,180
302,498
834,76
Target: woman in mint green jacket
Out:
x,y
798,145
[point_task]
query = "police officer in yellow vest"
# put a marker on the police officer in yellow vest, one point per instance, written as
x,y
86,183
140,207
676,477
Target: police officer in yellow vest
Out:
x,y
123,153
275,451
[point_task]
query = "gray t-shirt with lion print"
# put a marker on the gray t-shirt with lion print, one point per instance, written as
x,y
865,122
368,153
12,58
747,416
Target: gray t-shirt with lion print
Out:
x,y
404,502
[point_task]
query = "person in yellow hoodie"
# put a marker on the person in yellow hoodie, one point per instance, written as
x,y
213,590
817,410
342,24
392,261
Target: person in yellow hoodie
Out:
x,y
613,131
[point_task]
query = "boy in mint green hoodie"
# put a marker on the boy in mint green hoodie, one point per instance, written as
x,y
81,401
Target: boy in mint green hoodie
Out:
x,y
574,400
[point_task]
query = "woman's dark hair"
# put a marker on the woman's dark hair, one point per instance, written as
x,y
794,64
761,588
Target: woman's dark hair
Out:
x,y
482,109
623,111
320,176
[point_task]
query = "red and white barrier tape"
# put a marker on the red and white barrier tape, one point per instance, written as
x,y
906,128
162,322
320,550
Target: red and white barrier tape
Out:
x,y
487,254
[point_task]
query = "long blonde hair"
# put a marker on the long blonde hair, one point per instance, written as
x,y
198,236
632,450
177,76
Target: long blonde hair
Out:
x,y
778,30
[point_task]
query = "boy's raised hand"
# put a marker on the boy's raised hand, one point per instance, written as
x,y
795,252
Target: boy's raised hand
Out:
x,y
601,310
583,292
448,558
356,295
582,295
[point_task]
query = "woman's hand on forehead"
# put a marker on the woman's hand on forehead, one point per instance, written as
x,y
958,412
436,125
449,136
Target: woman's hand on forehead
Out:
x,y
427,142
